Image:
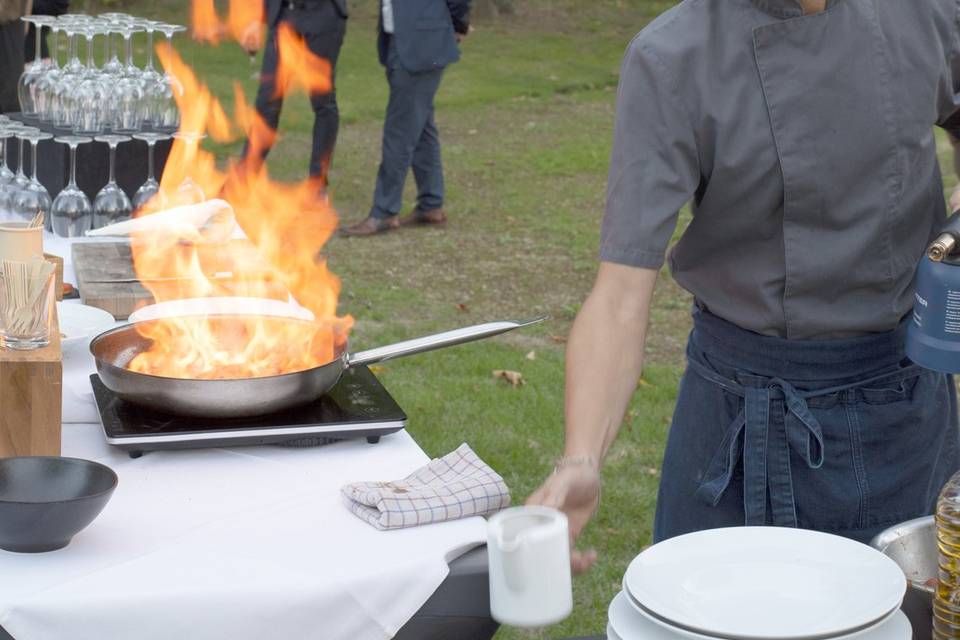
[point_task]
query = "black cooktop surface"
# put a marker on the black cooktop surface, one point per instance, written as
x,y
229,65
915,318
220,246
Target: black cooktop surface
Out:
x,y
358,406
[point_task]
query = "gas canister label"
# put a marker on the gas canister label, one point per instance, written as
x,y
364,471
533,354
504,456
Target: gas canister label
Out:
x,y
951,321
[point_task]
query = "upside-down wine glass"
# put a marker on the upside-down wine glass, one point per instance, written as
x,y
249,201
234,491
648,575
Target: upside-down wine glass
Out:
x,y
91,94
21,178
7,177
111,204
35,199
129,91
46,87
168,116
69,77
150,192
189,192
154,85
72,214
33,72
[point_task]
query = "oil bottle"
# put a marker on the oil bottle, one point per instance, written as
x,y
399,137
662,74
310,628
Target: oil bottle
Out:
x,y
946,602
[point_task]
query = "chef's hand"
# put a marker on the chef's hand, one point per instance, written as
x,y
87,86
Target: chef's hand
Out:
x,y
252,38
575,490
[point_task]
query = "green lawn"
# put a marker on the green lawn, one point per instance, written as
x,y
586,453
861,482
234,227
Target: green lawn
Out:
x,y
526,124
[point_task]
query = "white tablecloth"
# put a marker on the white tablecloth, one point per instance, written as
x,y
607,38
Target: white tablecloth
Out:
x,y
247,542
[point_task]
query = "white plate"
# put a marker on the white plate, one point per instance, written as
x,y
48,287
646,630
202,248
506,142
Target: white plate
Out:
x,y
765,582
79,322
626,622
220,306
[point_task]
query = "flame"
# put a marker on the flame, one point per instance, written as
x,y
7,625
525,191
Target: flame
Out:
x,y
286,226
242,14
299,68
206,23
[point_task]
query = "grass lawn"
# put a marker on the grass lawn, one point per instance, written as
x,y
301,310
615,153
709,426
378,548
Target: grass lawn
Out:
x,y
526,124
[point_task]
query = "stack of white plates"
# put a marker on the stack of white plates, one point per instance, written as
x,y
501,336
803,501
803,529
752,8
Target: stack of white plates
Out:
x,y
753,583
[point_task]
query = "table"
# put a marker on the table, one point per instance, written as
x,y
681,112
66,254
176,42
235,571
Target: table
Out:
x,y
93,161
244,543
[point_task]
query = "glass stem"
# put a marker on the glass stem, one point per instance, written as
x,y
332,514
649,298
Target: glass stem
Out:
x,y
150,171
106,48
128,40
55,54
73,48
90,63
113,156
73,166
33,144
3,153
150,50
20,163
36,47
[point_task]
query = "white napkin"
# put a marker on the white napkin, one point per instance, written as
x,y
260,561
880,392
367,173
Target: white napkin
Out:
x,y
457,485
213,219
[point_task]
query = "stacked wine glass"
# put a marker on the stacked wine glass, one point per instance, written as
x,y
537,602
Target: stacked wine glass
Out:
x,y
88,90
117,96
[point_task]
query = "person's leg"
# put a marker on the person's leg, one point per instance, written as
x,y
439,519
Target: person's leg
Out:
x,y
267,104
326,122
409,108
428,167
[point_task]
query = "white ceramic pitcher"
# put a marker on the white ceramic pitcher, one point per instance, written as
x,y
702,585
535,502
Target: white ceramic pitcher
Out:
x,y
529,551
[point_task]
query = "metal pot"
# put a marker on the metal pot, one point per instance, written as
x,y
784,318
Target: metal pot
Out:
x,y
243,397
913,546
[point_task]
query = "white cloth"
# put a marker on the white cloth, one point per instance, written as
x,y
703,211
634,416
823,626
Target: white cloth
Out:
x,y
241,543
458,485
387,13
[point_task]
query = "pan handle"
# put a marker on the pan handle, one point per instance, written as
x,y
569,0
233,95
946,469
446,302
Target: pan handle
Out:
x,y
436,341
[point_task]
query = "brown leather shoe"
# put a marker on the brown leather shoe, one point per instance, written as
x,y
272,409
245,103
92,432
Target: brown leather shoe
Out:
x,y
419,216
370,226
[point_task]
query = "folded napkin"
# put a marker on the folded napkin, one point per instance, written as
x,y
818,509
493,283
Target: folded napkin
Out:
x,y
457,485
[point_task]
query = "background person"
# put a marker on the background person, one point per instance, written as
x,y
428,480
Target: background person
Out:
x,y
323,24
12,31
417,40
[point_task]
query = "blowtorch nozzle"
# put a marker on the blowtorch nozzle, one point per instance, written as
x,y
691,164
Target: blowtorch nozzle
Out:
x,y
941,247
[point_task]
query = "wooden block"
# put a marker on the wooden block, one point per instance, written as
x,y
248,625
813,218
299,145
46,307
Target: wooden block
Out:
x,y
58,261
30,400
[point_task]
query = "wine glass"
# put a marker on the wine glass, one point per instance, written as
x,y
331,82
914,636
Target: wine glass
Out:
x,y
150,192
72,214
46,87
188,191
111,204
30,79
91,94
153,82
21,179
35,199
168,115
129,91
70,75
7,177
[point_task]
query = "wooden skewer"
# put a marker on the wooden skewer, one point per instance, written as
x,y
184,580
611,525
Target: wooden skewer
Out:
x,y
25,283
37,221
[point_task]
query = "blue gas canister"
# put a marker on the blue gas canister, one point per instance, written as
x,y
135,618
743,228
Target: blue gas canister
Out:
x,y
933,336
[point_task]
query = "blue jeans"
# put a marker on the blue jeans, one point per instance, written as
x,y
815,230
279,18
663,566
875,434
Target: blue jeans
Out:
x,y
844,436
410,138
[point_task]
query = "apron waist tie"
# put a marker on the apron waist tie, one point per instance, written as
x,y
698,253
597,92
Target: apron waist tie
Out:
x,y
764,439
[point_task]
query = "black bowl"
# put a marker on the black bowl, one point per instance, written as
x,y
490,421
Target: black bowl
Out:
x,y
45,501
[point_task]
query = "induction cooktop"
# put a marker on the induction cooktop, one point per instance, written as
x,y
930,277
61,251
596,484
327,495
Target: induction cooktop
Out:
x,y
357,407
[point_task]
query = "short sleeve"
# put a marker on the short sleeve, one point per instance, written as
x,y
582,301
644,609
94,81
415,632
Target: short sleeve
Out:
x,y
948,106
654,168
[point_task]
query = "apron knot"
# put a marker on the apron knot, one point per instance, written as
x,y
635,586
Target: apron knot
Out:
x,y
774,420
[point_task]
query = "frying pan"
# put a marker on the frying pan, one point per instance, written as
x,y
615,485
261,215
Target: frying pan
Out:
x,y
244,397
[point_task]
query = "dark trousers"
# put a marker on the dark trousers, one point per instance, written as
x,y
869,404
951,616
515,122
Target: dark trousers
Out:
x,y
410,138
326,120
11,65
843,436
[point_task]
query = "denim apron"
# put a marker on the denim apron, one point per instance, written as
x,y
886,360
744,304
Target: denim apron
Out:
x,y
845,436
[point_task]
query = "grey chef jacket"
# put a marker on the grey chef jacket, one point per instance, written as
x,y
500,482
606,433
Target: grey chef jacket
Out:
x,y
806,145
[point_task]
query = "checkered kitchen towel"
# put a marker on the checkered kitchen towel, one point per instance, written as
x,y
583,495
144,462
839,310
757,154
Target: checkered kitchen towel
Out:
x,y
455,486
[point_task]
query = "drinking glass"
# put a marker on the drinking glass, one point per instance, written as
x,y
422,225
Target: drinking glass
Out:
x,y
46,87
91,93
150,192
129,91
63,116
168,115
26,311
34,199
154,85
111,204
7,177
189,192
30,79
72,214
21,179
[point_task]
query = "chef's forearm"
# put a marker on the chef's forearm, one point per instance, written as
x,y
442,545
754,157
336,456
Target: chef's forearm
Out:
x,y
605,358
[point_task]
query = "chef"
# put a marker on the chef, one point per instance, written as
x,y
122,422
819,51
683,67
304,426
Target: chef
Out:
x,y
802,132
